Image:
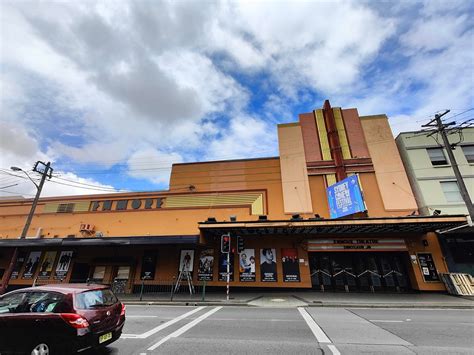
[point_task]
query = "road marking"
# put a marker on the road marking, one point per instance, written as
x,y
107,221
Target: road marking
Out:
x,y
317,331
184,328
385,321
162,326
334,350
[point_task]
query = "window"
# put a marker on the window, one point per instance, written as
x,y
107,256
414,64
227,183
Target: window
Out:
x,y
65,208
95,298
123,272
99,273
451,191
469,153
29,302
10,303
437,156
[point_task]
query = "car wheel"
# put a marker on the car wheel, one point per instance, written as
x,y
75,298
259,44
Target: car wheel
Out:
x,y
41,349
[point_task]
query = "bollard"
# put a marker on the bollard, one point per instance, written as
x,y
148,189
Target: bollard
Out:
x,y
141,290
172,289
203,291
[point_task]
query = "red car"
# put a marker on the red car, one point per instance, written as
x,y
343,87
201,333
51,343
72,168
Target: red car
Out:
x,y
59,319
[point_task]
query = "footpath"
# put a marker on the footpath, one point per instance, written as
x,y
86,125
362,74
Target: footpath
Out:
x,y
307,299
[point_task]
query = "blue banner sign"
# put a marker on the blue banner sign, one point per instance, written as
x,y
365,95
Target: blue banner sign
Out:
x,y
345,197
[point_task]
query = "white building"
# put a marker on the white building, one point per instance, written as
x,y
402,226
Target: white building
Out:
x,y
430,172
436,190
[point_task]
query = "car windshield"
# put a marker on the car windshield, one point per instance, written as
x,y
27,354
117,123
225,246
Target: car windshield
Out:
x,y
95,299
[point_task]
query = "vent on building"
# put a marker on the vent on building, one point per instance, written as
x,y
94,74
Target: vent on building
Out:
x,y
65,208
71,236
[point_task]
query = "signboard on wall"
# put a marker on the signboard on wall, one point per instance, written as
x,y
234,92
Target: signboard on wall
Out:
x,y
345,197
428,268
63,264
31,264
18,264
346,244
290,264
206,265
247,265
148,265
223,266
46,265
268,267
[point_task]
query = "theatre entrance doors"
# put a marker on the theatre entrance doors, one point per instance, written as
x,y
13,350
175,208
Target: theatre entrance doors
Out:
x,y
359,271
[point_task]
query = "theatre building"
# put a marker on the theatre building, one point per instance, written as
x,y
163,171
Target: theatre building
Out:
x,y
334,211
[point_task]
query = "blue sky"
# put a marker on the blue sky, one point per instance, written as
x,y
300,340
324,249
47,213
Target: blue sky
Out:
x,y
113,93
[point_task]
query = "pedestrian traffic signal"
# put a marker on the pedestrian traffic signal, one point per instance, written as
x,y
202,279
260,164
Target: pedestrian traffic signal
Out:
x,y
225,243
240,244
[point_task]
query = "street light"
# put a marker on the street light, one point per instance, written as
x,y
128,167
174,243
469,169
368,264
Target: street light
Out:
x,y
46,171
15,168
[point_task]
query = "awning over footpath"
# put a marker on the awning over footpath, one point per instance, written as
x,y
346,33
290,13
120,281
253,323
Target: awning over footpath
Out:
x,y
311,227
103,241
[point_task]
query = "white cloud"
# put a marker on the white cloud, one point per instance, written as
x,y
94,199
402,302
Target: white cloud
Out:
x,y
152,165
425,34
246,137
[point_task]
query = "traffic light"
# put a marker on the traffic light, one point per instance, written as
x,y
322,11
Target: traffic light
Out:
x,y
225,243
240,244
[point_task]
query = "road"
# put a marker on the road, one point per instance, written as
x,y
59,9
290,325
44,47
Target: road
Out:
x,y
300,330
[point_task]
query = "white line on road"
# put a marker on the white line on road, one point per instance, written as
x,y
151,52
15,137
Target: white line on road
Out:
x,y
317,331
385,321
334,350
162,326
184,328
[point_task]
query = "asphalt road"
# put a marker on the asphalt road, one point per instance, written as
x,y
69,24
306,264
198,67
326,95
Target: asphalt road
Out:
x,y
310,330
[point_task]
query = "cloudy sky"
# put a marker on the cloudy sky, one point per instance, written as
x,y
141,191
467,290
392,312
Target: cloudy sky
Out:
x,y
114,92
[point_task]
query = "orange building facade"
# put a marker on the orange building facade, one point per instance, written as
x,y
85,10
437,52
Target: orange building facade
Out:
x,y
277,206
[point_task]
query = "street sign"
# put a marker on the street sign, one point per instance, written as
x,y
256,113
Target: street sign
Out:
x,y
345,197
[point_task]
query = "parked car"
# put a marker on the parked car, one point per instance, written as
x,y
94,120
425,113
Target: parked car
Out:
x,y
59,319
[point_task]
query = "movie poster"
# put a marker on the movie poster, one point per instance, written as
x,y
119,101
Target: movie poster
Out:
x,y
268,268
247,265
186,261
32,264
223,267
63,264
291,267
206,265
18,264
46,265
148,265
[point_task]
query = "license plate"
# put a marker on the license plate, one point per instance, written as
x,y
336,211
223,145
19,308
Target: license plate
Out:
x,y
105,337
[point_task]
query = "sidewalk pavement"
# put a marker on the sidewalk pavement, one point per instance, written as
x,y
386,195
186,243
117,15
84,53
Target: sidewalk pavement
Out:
x,y
307,299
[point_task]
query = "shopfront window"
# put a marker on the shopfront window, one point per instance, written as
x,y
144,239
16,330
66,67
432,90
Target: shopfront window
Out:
x,y
123,273
99,273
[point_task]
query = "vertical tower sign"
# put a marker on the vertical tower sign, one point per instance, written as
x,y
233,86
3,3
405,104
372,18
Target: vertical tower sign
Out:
x,y
345,197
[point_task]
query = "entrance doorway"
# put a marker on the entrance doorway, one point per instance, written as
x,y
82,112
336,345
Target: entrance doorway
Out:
x,y
359,271
80,273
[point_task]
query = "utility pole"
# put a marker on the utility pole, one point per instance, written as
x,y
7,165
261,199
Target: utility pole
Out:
x,y
46,171
441,128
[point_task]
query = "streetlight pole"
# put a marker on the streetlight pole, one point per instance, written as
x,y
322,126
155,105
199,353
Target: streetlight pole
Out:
x,y
45,172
